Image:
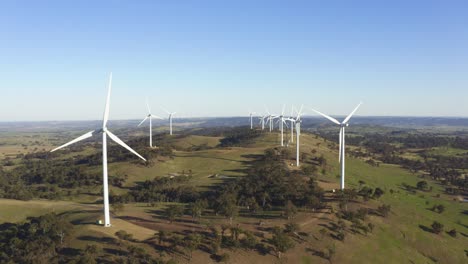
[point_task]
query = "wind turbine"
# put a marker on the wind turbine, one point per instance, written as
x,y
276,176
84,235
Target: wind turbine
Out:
x,y
291,119
342,125
298,122
251,119
171,114
282,122
270,118
262,121
150,117
117,140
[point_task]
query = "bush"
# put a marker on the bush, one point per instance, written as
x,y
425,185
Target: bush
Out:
x,y
452,233
437,227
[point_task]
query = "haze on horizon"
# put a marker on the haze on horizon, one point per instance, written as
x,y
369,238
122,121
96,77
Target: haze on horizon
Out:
x,y
212,58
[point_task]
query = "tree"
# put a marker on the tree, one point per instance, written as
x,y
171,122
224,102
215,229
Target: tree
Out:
x,y
437,227
331,251
323,233
230,210
452,233
192,242
440,208
173,211
281,241
196,209
383,210
421,185
378,193
290,210
162,236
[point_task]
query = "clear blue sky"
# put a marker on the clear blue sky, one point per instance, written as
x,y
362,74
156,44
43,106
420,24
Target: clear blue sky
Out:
x,y
220,58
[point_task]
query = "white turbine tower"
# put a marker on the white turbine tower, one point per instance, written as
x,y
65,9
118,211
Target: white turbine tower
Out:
x,y
342,125
150,117
171,115
117,140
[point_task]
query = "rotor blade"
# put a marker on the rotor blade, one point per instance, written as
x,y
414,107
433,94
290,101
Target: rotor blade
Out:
x,y
155,116
282,112
300,112
106,110
142,121
121,143
341,138
85,136
327,117
352,113
148,106
285,123
165,110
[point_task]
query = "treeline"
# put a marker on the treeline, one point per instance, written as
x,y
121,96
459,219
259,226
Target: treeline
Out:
x,y
238,137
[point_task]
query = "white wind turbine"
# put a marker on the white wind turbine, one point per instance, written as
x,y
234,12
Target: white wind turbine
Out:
x,y
262,121
171,115
342,125
282,121
298,122
251,119
291,119
270,119
117,140
150,117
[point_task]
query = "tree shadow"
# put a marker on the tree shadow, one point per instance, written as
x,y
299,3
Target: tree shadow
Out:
x,y
427,229
318,253
105,240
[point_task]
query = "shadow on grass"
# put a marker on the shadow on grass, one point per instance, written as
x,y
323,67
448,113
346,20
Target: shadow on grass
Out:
x,y
106,240
426,228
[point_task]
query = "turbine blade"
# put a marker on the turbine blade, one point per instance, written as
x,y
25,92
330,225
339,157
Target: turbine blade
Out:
x,y
327,117
148,106
85,136
106,110
165,110
352,113
142,121
121,143
155,116
300,112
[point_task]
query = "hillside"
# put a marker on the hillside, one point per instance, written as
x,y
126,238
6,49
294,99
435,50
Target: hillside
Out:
x,y
402,236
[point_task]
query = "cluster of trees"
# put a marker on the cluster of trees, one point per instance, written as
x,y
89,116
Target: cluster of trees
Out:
x,y
38,240
162,189
269,184
238,137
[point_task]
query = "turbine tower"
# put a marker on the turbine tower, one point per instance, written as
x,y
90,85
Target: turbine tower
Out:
x,y
150,117
171,114
117,140
342,125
